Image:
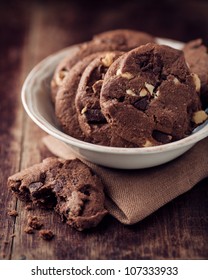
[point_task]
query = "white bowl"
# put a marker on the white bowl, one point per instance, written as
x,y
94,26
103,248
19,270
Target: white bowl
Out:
x,y
36,101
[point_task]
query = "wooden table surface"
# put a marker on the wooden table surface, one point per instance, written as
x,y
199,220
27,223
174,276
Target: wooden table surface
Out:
x,y
28,33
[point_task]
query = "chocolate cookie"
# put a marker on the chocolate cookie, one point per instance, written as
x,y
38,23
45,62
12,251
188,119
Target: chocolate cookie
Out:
x,y
62,70
65,101
152,98
70,187
196,55
108,41
91,120
123,39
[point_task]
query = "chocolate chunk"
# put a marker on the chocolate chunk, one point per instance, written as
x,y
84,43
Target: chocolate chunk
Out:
x,y
42,177
147,67
121,99
85,189
95,116
42,195
141,104
161,137
35,187
156,70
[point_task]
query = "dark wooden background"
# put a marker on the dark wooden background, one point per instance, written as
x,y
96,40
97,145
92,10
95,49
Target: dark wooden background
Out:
x,y
30,31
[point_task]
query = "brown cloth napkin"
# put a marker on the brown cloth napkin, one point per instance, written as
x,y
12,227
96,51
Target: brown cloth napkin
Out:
x,y
132,195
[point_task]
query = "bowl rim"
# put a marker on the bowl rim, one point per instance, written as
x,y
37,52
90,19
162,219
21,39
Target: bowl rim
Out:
x,y
55,132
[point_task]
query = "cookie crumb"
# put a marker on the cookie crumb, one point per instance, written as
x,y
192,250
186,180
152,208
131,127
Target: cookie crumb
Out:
x,y
12,213
34,223
29,230
28,207
46,234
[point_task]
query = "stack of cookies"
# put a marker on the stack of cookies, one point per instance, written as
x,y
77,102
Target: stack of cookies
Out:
x,y
122,89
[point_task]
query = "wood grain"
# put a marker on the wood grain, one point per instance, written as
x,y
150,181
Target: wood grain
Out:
x,y
33,31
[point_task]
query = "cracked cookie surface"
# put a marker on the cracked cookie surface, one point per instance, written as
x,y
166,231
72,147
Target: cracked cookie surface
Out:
x,y
150,96
70,187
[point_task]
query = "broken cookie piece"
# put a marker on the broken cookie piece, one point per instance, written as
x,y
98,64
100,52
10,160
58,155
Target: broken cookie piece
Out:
x,y
28,230
34,222
13,213
69,187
